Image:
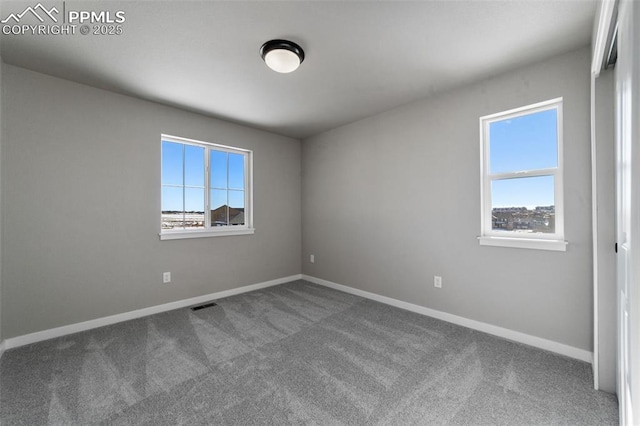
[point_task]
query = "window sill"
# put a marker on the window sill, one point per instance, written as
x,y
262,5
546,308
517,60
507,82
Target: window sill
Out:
x,y
525,243
179,235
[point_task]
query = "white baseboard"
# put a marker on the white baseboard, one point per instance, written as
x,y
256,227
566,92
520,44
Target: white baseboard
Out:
x,y
516,336
39,336
505,333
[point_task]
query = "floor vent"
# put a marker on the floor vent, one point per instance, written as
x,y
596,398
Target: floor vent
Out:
x,y
206,305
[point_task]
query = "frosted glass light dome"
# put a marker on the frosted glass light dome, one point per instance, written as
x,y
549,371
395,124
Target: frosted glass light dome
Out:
x,y
282,56
281,60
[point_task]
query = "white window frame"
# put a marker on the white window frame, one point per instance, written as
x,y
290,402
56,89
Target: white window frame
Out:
x,y
542,241
208,230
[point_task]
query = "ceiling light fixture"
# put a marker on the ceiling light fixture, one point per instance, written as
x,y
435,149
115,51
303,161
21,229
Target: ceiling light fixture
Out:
x,y
282,55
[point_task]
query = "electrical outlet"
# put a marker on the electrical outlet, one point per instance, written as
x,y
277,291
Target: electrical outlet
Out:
x,y
166,277
312,258
437,281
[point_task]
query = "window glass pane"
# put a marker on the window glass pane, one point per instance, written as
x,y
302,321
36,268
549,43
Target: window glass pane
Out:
x,y
172,211
172,198
172,163
194,165
219,210
194,200
236,171
524,143
190,192
194,208
236,199
236,207
218,169
172,220
523,204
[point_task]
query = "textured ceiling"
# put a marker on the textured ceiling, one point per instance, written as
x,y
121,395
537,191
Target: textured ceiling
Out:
x,y
362,57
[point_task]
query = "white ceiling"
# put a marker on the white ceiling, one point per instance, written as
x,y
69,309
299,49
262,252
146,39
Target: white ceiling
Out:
x,y
362,57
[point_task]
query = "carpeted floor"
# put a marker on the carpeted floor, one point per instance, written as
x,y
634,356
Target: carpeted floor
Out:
x,y
297,353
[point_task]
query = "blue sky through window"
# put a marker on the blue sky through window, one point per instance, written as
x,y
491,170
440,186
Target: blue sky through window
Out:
x,y
529,192
522,143
183,178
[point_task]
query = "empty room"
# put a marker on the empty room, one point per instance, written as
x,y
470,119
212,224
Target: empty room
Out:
x,y
320,212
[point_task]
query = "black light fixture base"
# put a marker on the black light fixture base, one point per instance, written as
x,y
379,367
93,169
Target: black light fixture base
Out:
x,y
282,44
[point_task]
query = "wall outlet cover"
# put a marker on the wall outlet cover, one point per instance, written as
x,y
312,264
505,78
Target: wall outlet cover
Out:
x,y
437,281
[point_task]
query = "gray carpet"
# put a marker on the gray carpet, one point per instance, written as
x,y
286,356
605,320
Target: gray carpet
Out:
x,y
297,353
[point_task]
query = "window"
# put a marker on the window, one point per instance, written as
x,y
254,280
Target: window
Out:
x,y
206,189
522,195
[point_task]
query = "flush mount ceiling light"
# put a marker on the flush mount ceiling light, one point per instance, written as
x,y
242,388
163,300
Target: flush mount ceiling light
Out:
x,y
282,55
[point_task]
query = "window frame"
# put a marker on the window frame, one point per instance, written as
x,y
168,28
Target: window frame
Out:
x,y
208,230
543,241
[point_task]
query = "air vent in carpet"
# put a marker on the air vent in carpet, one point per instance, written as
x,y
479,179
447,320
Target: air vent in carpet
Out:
x,y
206,305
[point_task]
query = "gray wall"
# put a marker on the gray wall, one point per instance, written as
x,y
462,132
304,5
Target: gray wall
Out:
x,y
82,203
392,200
605,166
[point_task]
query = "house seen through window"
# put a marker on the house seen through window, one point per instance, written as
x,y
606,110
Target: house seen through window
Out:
x,y
522,194
206,189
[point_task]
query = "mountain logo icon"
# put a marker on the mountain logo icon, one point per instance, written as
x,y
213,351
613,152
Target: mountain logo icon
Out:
x,y
39,11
